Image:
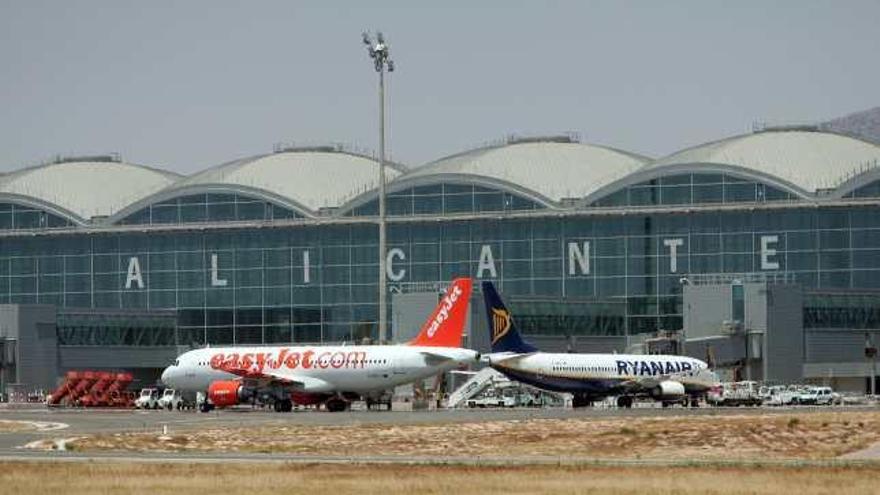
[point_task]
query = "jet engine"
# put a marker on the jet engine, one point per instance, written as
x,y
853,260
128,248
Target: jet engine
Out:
x,y
227,393
668,390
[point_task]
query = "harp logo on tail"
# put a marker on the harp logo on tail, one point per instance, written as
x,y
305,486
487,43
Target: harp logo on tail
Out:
x,y
500,323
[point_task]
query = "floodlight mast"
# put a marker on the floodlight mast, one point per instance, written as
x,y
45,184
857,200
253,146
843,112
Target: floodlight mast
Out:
x,y
381,55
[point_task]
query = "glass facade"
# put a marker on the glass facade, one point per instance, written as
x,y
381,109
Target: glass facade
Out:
x,y
200,208
842,310
685,189
871,190
570,317
313,282
14,216
437,199
93,328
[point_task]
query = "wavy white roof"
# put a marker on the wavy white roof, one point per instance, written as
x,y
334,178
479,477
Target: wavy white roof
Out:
x,y
552,169
86,189
809,160
547,171
313,179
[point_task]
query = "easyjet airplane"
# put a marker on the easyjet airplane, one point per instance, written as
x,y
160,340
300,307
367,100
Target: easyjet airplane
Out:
x,y
331,375
591,377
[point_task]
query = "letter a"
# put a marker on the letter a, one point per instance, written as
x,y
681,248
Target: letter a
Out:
x,y
134,273
487,262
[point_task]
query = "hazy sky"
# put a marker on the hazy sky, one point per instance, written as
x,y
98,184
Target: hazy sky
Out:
x,y
186,85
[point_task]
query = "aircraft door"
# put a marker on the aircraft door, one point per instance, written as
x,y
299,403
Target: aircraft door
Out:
x,y
398,366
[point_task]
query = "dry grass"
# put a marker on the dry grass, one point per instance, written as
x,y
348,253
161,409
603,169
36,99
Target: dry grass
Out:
x,y
723,437
156,479
8,426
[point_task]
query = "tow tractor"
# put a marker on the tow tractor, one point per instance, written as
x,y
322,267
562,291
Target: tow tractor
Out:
x,y
175,400
148,399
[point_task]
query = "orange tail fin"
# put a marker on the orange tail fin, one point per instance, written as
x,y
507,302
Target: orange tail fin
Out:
x,y
446,323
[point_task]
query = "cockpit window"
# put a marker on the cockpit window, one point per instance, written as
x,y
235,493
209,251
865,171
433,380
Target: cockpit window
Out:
x,y
177,362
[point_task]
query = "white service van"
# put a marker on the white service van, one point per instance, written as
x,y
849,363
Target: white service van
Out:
x,y
175,400
148,399
817,396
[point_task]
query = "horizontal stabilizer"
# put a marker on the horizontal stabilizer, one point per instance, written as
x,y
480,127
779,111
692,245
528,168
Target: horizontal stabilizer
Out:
x,y
500,357
434,359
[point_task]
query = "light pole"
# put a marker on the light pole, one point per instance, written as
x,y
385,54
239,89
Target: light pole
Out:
x,y
871,355
381,54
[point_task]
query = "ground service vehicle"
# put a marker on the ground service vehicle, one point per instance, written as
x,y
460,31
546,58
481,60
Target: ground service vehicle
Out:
x,y
735,394
778,395
148,399
173,399
816,396
494,397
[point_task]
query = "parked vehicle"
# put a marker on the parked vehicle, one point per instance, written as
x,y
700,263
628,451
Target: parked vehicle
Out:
x,y
175,400
817,396
148,399
735,394
778,395
510,396
493,397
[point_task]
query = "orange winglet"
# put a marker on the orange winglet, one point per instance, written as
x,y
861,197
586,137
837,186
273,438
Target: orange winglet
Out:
x,y
446,324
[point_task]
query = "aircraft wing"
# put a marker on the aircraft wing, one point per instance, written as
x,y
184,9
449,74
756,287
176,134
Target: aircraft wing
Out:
x,y
645,382
261,379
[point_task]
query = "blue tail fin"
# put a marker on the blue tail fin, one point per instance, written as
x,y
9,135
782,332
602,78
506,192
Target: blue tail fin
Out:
x,y
502,330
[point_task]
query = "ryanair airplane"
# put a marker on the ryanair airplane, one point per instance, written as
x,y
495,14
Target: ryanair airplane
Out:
x,y
592,377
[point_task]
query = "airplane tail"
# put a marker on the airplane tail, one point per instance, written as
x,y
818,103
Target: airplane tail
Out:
x,y
505,336
446,324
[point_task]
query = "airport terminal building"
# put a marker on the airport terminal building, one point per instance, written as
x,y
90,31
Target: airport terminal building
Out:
x,y
119,265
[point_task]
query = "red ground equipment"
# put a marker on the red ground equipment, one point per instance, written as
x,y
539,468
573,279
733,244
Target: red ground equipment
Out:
x,y
93,389
70,382
95,394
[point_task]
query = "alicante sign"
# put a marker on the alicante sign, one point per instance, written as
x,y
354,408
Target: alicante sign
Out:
x,y
577,256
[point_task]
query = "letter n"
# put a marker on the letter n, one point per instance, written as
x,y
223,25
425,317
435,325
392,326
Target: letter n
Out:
x,y
578,258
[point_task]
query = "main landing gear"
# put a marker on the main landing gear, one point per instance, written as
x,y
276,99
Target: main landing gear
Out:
x,y
283,405
625,402
581,400
336,404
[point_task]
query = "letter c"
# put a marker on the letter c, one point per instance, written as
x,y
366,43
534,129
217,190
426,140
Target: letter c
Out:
x,y
389,265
